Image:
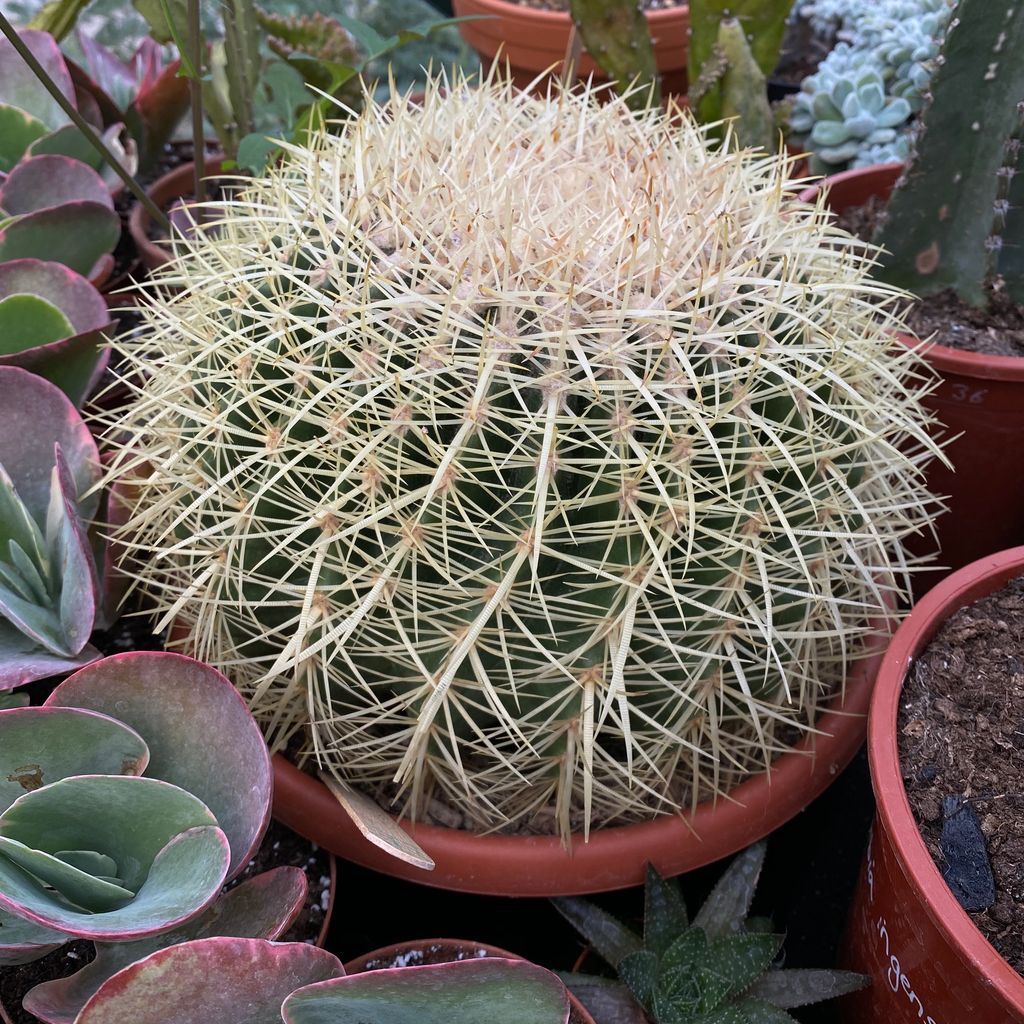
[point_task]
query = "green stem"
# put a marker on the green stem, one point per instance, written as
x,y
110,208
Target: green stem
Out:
x,y
82,125
195,89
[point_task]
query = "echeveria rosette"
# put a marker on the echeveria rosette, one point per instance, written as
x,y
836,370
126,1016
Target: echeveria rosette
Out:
x,y
52,322
56,208
32,122
49,586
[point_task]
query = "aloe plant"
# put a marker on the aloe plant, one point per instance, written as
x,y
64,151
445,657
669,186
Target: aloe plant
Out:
x,y
49,585
236,981
127,800
52,322
718,968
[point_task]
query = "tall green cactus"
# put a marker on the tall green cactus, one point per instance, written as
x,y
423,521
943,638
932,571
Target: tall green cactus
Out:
x,y
616,35
951,222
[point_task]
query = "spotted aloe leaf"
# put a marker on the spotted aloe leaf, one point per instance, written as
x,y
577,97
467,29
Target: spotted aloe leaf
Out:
x,y
464,992
23,941
72,358
228,980
200,734
110,857
43,745
259,908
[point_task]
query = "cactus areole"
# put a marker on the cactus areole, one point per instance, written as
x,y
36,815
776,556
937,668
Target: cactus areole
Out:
x,y
525,452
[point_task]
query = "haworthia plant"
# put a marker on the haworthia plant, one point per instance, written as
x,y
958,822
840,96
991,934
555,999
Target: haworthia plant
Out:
x,y
52,322
955,218
127,800
716,969
49,584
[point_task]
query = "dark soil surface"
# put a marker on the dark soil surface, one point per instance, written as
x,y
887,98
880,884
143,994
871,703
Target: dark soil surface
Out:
x,y
280,847
996,329
961,735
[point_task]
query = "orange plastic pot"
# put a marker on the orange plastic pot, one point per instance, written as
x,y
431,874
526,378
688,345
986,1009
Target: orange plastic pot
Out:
x,y
535,41
981,399
928,962
173,185
613,858
443,951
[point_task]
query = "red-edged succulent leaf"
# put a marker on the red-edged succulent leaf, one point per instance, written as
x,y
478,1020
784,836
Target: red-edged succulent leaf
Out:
x,y
69,141
18,130
464,992
230,981
76,234
201,735
160,105
42,745
35,416
110,857
74,363
21,661
259,908
22,941
51,180
117,78
18,85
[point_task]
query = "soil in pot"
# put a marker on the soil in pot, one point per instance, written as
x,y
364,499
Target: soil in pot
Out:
x,y
996,329
961,743
280,847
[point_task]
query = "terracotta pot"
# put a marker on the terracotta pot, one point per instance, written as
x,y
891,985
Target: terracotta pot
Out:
x,y
173,185
927,959
443,951
980,398
531,41
613,858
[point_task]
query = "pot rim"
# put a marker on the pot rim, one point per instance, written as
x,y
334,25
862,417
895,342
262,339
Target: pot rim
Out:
x,y
942,357
357,964
961,588
614,857
520,12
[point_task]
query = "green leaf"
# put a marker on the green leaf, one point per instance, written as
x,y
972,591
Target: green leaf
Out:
x,y
18,130
732,964
27,321
370,41
612,939
607,1000
799,987
664,912
58,17
14,700
255,151
22,941
726,907
747,1011
639,973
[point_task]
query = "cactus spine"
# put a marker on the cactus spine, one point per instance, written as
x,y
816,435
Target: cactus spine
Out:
x,y
951,222
529,451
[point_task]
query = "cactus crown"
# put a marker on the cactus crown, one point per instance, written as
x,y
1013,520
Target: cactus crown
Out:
x,y
527,450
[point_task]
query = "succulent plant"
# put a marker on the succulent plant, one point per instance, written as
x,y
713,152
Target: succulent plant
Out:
x,y
52,322
955,218
719,968
126,801
864,94
32,122
508,487
145,92
49,586
236,981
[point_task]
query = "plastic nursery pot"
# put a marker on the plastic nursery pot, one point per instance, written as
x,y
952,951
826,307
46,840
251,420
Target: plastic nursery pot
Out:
x,y
614,857
173,185
981,399
534,41
443,951
928,961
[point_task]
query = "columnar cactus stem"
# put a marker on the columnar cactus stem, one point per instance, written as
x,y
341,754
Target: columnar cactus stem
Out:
x,y
948,218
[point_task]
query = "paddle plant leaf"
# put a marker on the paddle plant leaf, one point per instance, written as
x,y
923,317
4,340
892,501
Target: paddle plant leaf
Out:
x,y
170,855
19,87
463,992
43,745
23,941
227,980
200,734
258,908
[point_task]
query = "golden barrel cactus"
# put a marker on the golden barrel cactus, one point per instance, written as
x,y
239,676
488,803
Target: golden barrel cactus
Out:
x,y
528,453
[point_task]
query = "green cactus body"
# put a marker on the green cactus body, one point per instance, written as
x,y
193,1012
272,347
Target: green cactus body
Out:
x,y
617,37
946,225
530,452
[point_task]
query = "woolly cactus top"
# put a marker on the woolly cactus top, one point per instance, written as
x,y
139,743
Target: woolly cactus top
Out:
x,y
527,451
